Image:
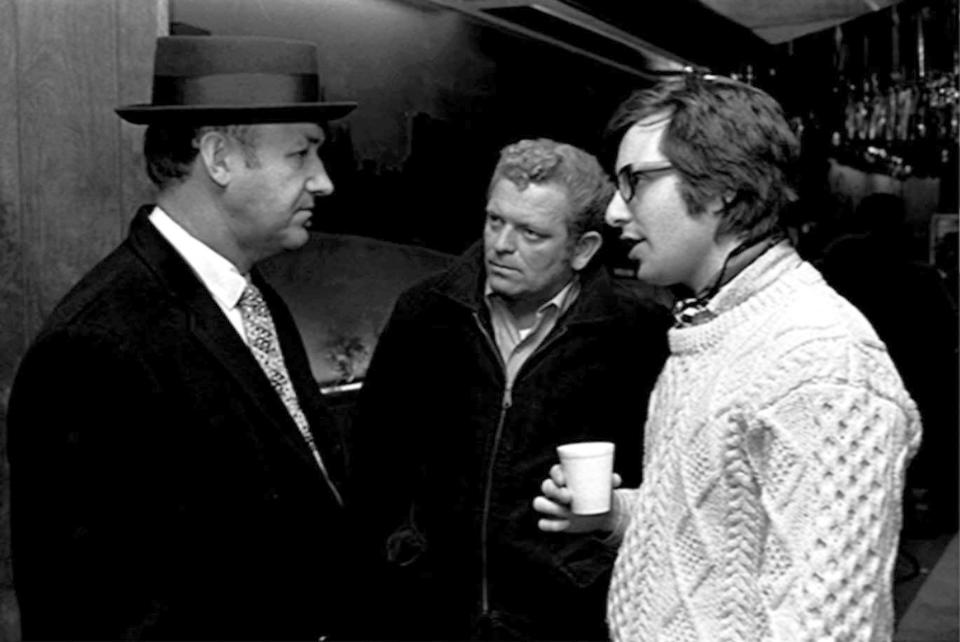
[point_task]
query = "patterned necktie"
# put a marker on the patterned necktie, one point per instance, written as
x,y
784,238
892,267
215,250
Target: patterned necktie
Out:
x,y
263,342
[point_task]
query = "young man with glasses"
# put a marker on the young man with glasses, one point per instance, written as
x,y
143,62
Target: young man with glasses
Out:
x,y
779,430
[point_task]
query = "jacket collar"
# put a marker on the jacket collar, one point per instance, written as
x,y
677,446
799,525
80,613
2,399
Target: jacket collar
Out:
x,y
212,329
463,284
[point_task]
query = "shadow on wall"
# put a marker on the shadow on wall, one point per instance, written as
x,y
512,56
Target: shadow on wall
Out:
x,y
341,290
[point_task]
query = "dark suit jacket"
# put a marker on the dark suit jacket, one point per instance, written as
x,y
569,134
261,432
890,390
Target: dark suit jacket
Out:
x,y
159,488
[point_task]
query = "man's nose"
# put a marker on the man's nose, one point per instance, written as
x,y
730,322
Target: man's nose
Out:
x,y
319,182
618,214
505,240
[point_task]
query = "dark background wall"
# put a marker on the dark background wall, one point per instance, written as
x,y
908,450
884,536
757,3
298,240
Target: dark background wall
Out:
x,y
439,95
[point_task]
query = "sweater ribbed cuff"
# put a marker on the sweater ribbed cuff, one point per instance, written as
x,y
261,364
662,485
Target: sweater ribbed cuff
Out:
x,y
622,508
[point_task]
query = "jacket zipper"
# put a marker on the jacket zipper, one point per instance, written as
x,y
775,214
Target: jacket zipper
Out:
x,y
505,403
550,340
488,492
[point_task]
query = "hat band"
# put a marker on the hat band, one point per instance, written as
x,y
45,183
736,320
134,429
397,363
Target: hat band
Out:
x,y
235,89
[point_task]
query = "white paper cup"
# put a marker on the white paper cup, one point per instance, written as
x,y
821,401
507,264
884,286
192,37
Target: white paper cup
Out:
x,y
588,469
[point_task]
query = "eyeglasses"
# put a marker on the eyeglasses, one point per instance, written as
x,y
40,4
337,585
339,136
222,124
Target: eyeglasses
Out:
x,y
630,181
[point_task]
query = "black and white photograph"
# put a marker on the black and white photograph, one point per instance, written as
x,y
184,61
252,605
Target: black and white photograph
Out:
x,y
447,320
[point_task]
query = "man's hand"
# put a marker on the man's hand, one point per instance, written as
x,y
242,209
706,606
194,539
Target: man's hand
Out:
x,y
554,505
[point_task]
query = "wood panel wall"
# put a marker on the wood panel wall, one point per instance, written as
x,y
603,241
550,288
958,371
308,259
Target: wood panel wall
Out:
x,y
71,172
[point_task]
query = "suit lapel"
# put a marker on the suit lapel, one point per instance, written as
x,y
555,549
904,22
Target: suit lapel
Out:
x,y
213,330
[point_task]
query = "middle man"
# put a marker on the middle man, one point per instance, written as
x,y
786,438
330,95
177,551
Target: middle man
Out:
x,y
524,344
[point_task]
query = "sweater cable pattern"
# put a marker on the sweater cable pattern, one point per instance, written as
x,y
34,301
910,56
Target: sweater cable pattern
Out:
x,y
777,440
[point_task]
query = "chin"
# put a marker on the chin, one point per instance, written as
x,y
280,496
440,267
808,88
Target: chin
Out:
x,y
501,286
295,240
650,277
298,235
505,292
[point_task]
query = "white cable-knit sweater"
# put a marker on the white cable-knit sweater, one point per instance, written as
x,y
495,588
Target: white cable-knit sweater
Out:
x,y
776,445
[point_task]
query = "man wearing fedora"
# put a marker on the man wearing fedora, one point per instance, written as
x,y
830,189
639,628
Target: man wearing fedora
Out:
x,y
174,473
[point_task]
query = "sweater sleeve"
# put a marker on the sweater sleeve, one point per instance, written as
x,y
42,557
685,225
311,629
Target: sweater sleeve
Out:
x,y
829,454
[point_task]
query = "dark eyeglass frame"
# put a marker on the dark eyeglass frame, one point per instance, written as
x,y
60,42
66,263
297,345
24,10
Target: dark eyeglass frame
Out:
x,y
630,179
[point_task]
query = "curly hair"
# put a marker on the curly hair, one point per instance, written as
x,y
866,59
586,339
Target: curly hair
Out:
x,y
170,150
727,140
544,161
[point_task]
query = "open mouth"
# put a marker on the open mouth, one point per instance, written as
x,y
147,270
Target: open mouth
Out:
x,y
304,216
624,247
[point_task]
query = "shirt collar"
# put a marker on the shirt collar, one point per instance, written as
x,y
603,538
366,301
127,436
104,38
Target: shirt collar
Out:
x,y
561,301
219,275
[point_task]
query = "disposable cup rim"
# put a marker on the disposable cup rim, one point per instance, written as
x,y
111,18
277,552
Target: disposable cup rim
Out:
x,y
584,449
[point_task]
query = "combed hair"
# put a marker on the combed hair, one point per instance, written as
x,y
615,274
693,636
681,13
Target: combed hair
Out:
x,y
543,161
171,149
726,139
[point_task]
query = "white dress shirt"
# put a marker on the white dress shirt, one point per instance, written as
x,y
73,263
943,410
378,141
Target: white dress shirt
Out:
x,y
220,276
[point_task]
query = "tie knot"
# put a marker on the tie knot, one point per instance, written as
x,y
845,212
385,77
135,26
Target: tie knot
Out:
x,y
251,298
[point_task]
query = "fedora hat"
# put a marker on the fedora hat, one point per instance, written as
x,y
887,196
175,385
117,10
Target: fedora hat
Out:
x,y
211,80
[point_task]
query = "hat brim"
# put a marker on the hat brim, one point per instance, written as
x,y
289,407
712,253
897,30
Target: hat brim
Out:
x,y
232,114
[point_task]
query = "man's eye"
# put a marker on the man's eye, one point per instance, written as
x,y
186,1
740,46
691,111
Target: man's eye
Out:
x,y
533,235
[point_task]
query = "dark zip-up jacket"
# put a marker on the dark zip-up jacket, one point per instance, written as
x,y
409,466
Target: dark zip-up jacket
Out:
x,y
447,460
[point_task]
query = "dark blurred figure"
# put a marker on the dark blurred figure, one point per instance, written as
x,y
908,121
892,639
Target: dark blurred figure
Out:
x,y
911,309
946,261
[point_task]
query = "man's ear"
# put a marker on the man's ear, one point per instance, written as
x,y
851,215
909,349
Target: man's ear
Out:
x,y
721,203
214,154
715,211
584,249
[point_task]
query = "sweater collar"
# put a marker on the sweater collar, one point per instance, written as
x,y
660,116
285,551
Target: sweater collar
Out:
x,y
766,270
696,309
750,293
